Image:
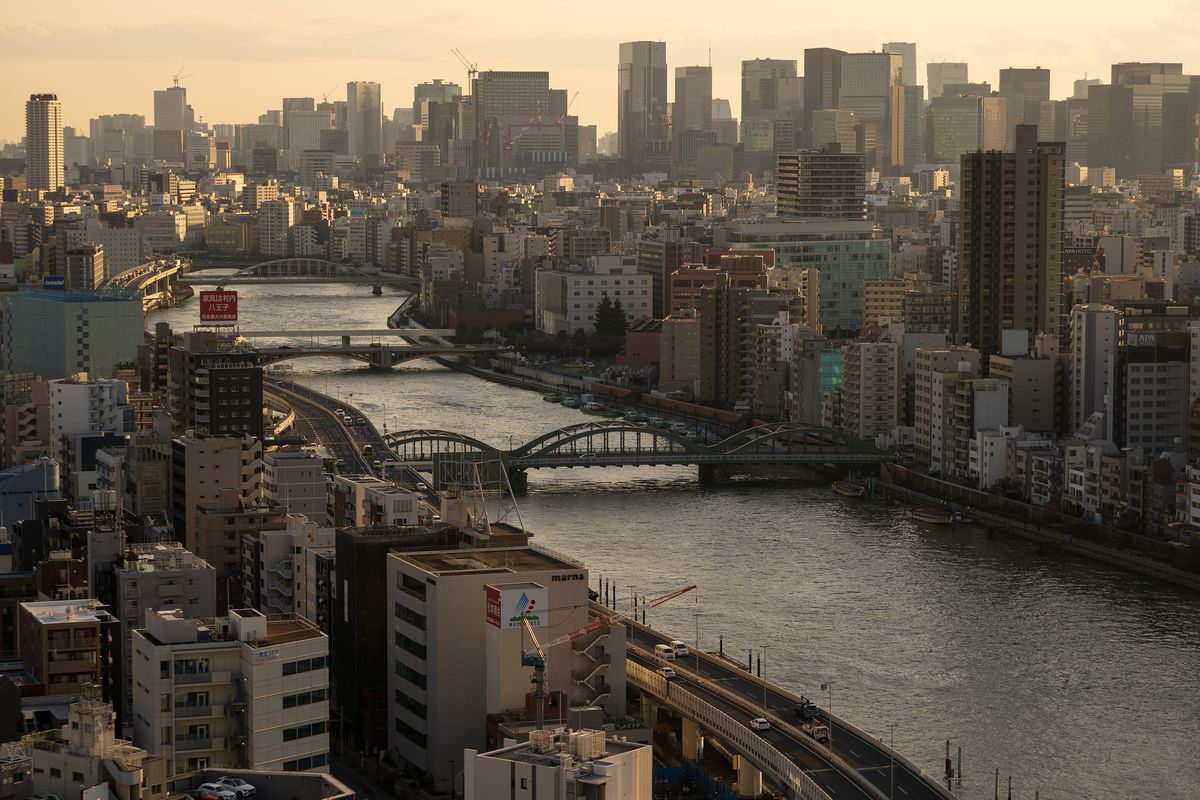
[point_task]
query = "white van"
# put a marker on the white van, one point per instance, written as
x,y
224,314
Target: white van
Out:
x,y
681,649
664,652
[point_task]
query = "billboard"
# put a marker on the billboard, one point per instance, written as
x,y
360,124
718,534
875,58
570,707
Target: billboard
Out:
x,y
507,604
54,282
218,306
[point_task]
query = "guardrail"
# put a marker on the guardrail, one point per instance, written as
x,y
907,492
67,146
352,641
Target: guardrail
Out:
x,y
733,732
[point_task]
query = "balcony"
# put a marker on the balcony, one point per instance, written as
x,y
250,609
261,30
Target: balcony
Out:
x,y
200,711
202,677
186,744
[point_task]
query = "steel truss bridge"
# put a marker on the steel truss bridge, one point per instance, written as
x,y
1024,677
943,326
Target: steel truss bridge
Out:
x,y
617,443
302,271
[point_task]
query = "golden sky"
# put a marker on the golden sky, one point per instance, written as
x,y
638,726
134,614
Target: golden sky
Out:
x,y
243,57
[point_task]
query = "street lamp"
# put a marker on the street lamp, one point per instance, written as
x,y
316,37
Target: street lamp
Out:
x,y
828,687
892,756
762,656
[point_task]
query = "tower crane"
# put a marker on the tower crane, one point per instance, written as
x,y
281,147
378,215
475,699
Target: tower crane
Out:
x,y
325,97
178,76
536,656
567,111
472,67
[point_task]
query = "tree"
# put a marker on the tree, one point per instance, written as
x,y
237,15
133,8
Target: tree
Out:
x,y
621,324
610,319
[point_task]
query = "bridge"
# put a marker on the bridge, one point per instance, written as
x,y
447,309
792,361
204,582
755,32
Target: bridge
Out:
x,y
620,443
379,356
712,697
302,271
156,279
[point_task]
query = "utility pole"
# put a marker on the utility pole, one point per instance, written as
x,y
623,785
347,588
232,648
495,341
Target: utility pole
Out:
x,y
892,756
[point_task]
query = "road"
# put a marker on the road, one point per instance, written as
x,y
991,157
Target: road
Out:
x,y
868,756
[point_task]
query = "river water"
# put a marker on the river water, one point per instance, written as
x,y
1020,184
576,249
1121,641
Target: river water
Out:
x,y
1079,680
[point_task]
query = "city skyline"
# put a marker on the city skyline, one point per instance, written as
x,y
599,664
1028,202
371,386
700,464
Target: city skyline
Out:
x,y
55,54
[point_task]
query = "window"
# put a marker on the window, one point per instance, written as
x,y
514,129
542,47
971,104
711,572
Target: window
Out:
x,y
411,617
408,732
410,645
411,675
302,764
411,705
304,665
303,731
305,698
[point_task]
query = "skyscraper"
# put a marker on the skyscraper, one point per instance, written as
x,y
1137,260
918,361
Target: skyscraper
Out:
x,y
1010,242
908,54
691,118
1025,90
772,110
170,109
942,73
436,91
643,129
822,77
829,184
44,142
364,118
872,87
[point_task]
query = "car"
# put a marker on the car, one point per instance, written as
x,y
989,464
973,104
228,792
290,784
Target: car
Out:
x,y
377,465
666,672
360,421
681,648
243,788
340,412
760,724
421,487
220,791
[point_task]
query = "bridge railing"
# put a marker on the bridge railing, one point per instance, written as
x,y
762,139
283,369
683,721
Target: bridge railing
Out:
x,y
731,731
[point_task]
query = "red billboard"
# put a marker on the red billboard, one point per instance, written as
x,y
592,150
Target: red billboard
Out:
x,y
493,606
218,306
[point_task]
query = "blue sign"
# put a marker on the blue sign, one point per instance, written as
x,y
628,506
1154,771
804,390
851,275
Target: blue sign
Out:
x,y
58,282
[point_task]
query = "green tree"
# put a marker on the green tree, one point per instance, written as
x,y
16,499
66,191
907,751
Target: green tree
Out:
x,y
610,319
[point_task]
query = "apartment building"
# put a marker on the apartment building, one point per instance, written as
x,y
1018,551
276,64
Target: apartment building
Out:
x,y
276,566
67,644
239,691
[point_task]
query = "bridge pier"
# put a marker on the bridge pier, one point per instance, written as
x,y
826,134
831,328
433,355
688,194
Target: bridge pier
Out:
x,y
691,743
713,473
518,479
749,778
377,290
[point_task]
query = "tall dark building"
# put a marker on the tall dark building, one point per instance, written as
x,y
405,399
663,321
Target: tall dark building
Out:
x,y
1110,128
1025,90
822,78
829,184
216,390
643,124
1010,243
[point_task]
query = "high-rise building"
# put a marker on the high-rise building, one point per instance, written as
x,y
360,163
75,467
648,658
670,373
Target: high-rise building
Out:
x,y
691,118
1110,129
170,109
1095,334
1010,242
772,110
962,124
814,183
44,163
364,118
85,267
908,53
55,333
832,127
943,72
515,112
1025,89
872,87
643,125
215,389
436,91
822,78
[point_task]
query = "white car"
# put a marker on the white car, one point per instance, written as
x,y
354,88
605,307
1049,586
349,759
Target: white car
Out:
x,y
238,785
666,672
681,648
223,792
422,487
760,724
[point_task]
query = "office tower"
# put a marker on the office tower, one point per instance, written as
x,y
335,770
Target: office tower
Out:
x,y
514,113
772,110
364,118
691,118
914,125
828,184
822,77
1025,89
643,126
302,131
1081,87
1010,242
1110,129
44,167
213,389
942,73
1151,392
832,127
908,54
1163,117
872,87
170,109
460,199
85,267
436,91
1095,333
961,124
55,333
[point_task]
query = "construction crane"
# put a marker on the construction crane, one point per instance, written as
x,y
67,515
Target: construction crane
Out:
x,y
178,76
536,657
325,97
472,66
567,111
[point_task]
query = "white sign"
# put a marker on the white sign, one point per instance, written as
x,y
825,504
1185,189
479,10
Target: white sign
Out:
x,y
506,606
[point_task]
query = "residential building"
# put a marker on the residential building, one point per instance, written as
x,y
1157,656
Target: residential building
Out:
x,y
364,501
1033,397
44,161
236,691
829,184
871,395
679,353
1150,397
295,479
275,221
927,417
202,467
583,761
275,570
452,665
1095,333
215,388
68,644
566,299
1010,244
55,334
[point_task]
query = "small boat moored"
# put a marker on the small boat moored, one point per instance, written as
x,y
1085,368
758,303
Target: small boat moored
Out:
x,y
848,489
552,397
931,515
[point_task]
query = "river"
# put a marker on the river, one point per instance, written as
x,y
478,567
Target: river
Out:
x,y
1078,679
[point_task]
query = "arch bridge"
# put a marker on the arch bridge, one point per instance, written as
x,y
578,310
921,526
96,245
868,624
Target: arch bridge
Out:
x,y
379,356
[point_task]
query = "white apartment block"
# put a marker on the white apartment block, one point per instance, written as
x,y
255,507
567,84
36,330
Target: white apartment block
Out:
x,y
566,300
275,220
296,479
240,691
364,501
575,764
453,661
1095,335
276,566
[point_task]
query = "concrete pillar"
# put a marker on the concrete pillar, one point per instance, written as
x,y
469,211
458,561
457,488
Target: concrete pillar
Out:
x,y
692,742
749,778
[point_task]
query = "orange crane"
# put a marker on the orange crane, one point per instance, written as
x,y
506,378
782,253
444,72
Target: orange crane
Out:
x,y
472,67
536,657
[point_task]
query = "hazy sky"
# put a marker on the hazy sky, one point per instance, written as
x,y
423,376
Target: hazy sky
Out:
x,y
107,58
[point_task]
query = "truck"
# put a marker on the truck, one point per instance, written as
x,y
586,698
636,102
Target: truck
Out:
x,y
817,730
806,709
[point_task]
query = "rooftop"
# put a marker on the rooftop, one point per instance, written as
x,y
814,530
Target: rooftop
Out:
x,y
160,557
505,559
54,612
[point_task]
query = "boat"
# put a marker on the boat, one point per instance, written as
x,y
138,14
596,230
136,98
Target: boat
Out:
x,y
848,489
931,515
552,397
600,410
572,402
